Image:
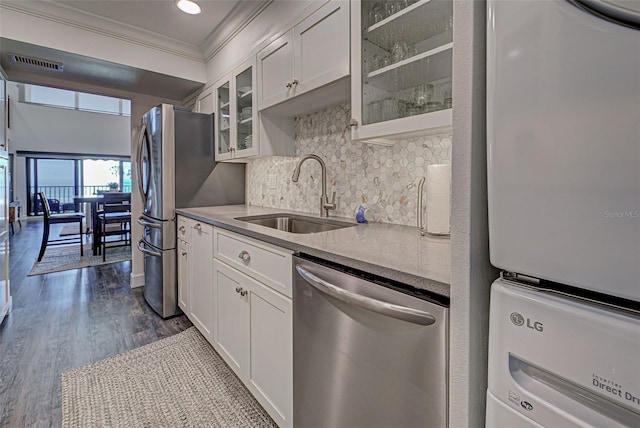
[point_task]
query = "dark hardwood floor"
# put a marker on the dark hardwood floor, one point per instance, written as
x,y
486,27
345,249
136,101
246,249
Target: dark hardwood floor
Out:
x,y
61,321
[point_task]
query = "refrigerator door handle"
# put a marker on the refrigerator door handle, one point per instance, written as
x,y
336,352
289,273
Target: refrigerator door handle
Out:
x,y
143,134
403,313
142,222
142,249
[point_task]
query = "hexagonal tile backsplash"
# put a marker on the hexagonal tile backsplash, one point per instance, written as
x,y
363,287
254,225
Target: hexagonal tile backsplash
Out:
x,y
384,177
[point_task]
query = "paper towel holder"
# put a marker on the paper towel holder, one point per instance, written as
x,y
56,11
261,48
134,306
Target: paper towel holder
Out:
x,y
419,214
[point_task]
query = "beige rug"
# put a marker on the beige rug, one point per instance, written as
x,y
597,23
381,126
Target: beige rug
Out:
x,y
61,258
71,229
179,381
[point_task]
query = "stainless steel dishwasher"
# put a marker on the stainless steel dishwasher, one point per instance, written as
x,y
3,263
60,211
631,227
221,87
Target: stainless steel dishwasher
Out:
x,y
367,352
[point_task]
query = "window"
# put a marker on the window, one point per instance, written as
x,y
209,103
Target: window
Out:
x,y
63,178
51,96
82,101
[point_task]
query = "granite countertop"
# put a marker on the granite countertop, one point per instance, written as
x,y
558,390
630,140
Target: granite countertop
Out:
x,y
388,250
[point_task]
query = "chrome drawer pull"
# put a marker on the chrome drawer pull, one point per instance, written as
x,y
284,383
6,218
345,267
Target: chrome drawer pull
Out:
x,y
198,227
244,256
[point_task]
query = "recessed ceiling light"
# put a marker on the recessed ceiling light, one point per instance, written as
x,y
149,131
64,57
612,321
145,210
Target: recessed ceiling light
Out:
x,y
188,6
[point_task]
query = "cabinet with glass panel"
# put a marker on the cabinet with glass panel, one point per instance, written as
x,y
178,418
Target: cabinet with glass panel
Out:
x,y
401,67
236,114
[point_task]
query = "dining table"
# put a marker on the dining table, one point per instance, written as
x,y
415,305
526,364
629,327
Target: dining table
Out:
x,y
93,201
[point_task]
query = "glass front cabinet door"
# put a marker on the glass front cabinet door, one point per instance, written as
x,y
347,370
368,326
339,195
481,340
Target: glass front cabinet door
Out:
x,y
401,68
223,120
236,114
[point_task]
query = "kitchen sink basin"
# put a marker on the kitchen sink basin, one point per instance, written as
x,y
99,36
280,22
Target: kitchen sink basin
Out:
x,y
296,223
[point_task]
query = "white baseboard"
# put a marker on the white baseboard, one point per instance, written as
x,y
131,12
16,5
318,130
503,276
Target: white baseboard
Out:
x,y
136,280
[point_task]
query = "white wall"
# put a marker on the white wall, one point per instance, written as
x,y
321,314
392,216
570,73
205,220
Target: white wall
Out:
x,y
40,128
471,271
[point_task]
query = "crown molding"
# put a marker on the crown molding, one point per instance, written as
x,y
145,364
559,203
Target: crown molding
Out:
x,y
241,16
85,21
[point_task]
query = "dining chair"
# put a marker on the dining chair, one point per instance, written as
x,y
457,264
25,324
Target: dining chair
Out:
x,y
116,210
50,219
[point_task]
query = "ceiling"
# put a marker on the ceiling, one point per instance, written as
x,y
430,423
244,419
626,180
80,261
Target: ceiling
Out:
x,y
164,17
91,74
154,20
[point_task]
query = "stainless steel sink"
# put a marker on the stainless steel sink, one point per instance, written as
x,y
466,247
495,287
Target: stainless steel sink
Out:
x,y
296,223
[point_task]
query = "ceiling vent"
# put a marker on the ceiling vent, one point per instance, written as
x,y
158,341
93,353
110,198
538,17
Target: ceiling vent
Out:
x,y
36,62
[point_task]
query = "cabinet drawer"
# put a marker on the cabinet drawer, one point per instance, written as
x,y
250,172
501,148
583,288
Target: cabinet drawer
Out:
x,y
183,229
267,263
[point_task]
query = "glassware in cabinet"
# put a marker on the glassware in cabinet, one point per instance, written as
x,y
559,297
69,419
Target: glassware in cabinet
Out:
x,y
244,109
402,64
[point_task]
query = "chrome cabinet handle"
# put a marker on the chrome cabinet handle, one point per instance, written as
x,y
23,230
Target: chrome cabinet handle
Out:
x,y
295,82
182,229
238,289
353,122
244,256
198,227
184,253
289,85
243,293
403,313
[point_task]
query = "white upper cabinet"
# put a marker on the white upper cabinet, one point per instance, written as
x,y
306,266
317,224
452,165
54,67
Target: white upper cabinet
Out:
x,y
204,104
236,122
309,56
275,71
401,67
321,45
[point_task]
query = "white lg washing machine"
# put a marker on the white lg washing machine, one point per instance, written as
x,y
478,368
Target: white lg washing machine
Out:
x,y
561,361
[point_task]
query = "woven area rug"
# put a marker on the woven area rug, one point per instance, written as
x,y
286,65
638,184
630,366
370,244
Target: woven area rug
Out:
x,y
179,381
71,229
57,259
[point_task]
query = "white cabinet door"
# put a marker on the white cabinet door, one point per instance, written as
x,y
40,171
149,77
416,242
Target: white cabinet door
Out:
x,y
205,102
224,117
231,336
275,71
183,276
201,304
271,369
401,70
322,47
244,127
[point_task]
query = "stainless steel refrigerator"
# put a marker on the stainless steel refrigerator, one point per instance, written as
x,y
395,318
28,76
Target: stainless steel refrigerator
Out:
x,y
176,169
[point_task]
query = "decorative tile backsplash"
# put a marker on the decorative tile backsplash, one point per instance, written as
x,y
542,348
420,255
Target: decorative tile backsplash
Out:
x,y
384,177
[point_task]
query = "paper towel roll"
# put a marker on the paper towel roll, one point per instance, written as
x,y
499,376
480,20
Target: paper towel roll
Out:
x,y
438,198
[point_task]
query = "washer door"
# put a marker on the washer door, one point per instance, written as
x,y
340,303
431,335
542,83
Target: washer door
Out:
x,y
623,12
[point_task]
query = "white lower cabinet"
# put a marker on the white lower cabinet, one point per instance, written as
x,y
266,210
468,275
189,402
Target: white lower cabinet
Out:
x,y
201,278
231,331
254,334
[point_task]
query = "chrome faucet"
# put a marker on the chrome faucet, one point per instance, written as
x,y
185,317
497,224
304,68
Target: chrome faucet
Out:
x,y
325,205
